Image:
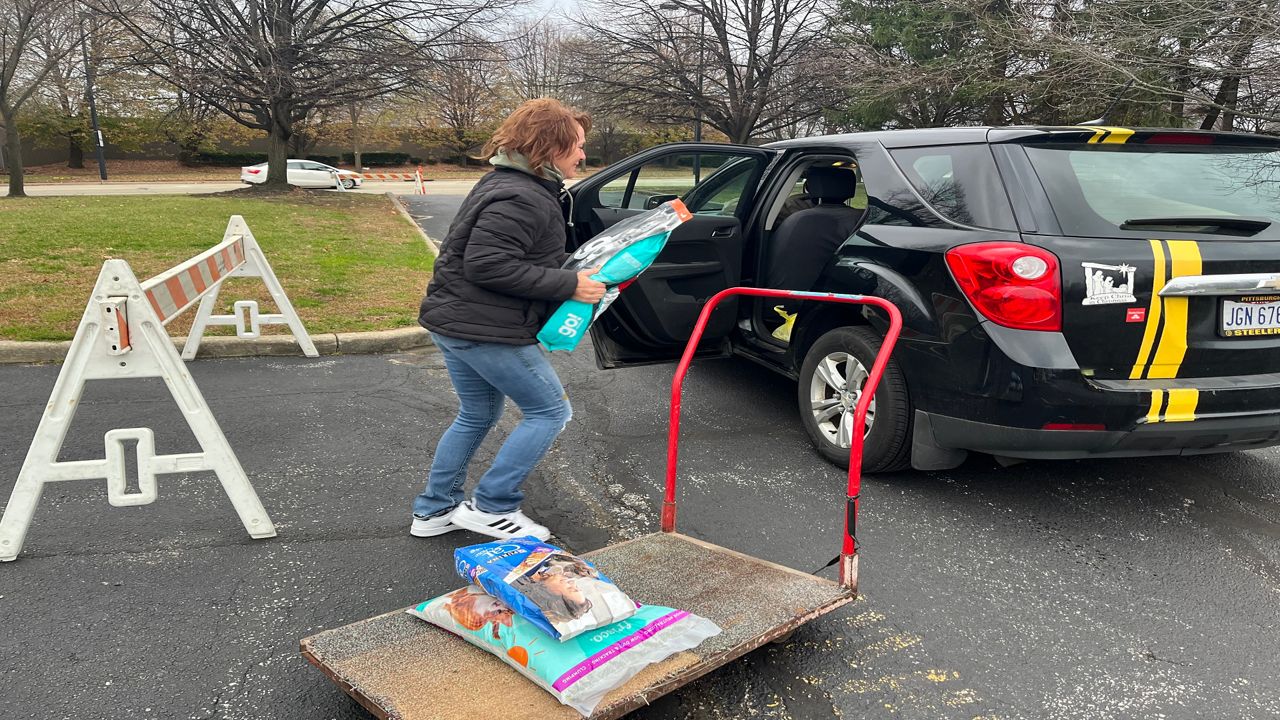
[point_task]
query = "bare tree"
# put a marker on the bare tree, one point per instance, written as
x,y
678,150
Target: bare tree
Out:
x,y
1184,58
461,93
268,64
541,61
734,63
25,64
61,104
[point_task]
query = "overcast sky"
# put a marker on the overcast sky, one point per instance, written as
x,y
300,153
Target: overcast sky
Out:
x,y
552,7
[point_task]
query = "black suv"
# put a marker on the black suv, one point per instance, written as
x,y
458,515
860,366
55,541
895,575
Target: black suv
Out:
x,y
1066,292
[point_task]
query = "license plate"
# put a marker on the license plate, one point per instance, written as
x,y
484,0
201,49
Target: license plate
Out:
x,y
1257,315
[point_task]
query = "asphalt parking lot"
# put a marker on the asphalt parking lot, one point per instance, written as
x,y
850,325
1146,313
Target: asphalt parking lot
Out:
x,y
1087,589
1100,589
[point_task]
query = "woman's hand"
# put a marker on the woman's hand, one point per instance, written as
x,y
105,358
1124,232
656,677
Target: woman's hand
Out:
x,y
589,291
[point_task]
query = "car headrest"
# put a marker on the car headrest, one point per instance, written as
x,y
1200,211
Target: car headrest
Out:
x,y
835,184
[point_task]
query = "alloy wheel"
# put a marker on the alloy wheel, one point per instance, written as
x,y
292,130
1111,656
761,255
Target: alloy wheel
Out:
x,y
834,390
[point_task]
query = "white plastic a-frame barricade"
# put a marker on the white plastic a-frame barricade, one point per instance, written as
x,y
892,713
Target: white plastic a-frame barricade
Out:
x,y
176,290
122,336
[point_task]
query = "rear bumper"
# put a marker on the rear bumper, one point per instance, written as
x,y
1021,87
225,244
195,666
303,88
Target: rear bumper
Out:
x,y
1201,436
1018,404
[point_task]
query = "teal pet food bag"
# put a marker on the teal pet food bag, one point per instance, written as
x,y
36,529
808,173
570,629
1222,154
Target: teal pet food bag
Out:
x,y
622,252
579,672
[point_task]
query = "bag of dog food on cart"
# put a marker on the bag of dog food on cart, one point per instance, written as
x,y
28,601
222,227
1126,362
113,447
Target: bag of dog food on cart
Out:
x,y
580,671
559,592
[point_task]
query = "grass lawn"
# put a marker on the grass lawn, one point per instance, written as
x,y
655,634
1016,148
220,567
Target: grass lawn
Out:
x,y
348,262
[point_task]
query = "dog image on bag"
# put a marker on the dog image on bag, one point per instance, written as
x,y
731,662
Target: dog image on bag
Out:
x,y
473,611
554,588
568,588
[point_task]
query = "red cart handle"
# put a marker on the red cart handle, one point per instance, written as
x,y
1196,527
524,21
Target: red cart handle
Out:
x,y
849,547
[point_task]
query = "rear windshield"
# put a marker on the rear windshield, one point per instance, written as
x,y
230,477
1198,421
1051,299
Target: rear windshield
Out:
x,y
1095,189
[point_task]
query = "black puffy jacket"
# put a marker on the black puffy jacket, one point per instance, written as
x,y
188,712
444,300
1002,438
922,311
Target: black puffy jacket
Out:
x,y
499,273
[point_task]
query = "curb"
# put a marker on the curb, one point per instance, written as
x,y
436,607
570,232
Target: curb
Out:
x,y
348,343
404,211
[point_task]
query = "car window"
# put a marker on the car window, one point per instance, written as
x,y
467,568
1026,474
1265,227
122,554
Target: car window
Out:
x,y
796,197
709,183
721,192
960,183
295,166
858,201
1096,189
317,166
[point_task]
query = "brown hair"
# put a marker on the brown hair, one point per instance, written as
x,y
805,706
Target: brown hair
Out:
x,y
541,130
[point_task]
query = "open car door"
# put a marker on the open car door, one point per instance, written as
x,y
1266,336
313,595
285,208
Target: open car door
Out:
x,y
654,316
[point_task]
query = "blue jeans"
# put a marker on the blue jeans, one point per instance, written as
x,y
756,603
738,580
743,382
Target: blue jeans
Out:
x,y
484,375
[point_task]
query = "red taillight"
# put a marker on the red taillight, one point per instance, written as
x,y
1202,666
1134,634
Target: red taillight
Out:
x,y
252,171
1179,139
1011,284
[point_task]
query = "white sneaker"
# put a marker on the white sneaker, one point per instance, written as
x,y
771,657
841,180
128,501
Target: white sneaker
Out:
x,y
510,525
430,527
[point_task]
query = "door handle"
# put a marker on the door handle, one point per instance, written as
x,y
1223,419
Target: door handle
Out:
x,y
722,232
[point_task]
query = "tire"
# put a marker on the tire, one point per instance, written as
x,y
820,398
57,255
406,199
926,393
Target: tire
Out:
x,y
887,445
349,184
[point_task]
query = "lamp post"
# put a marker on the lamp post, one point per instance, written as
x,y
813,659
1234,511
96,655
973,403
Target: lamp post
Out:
x,y
88,93
702,30
697,120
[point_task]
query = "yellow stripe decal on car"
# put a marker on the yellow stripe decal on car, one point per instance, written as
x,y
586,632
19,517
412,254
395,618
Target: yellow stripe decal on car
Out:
x,y
1182,405
1172,347
1115,135
1157,402
1153,312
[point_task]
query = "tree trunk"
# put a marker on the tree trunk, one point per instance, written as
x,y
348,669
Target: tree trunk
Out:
x,y
278,147
75,153
1229,103
1225,96
14,144
1177,109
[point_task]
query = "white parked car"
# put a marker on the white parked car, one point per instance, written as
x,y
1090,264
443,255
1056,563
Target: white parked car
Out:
x,y
305,173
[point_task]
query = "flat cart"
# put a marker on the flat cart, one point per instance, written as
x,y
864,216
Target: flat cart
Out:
x,y
399,667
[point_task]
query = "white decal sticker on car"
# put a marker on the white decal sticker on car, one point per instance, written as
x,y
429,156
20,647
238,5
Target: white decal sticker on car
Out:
x,y
1106,284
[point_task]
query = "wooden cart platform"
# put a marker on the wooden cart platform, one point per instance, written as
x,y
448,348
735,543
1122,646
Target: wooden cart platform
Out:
x,y
402,668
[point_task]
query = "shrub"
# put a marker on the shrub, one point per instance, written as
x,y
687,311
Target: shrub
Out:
x,y
378,159
220,159
326,159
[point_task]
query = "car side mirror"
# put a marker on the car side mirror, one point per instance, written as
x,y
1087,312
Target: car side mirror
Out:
x,y
654,201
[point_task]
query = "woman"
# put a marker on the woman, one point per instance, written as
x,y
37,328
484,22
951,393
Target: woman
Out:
x,y
497,279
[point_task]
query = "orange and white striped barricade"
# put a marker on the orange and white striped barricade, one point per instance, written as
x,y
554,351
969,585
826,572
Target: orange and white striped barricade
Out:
x,y
173,291
121,336
406,177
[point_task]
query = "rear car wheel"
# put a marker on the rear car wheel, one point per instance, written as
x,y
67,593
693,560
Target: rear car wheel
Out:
x,y
834,372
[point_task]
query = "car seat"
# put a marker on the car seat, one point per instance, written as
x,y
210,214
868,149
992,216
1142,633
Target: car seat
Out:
x,y
804,242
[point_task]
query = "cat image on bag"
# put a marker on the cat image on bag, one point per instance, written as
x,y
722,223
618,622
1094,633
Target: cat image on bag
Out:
x,y
473,610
